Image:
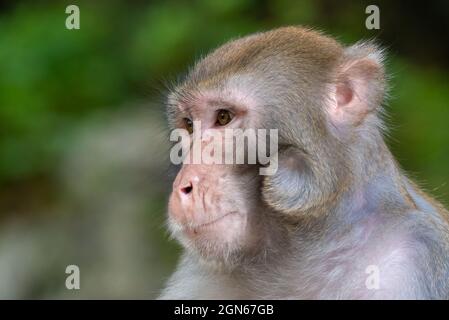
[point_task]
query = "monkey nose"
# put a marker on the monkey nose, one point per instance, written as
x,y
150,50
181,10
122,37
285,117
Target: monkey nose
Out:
x,y
186,188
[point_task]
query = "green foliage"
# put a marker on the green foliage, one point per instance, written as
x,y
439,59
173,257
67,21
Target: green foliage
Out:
x,y
419,112
51,77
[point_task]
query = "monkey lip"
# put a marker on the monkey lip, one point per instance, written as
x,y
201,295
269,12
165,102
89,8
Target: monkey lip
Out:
x,y
196,228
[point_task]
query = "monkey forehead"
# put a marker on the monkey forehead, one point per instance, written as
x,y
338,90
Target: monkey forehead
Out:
x,y
292,55
284,50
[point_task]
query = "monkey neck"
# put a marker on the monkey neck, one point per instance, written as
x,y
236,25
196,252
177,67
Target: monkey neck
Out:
x,y
376,183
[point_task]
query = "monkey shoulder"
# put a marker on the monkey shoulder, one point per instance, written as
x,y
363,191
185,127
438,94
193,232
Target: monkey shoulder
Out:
x,y
430,233
391,255
416,255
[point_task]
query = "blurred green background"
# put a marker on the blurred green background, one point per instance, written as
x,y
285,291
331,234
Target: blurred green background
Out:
x,y
83,168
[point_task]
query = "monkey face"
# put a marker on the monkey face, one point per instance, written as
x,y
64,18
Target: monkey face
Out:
x,y
213,207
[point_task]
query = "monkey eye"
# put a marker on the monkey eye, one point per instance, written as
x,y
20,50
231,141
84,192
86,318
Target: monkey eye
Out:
x,y
223,117
189,125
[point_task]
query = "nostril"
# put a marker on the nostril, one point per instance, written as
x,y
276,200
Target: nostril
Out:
x,y
187,189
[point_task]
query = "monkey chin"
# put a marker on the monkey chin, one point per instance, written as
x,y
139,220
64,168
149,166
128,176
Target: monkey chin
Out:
x,y
219,243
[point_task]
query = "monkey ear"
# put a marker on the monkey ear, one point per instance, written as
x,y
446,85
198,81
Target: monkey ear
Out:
x,y
359,88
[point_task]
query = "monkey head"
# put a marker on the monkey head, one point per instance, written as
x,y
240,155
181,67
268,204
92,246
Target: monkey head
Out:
x,y
318,94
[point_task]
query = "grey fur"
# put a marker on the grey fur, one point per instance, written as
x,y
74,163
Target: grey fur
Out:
x,y
344,204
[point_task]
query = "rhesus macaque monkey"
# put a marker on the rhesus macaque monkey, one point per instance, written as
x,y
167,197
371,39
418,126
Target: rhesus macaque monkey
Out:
x,y
338,219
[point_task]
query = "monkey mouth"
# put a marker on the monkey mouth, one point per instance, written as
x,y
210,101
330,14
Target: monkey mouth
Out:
x,y
194,229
